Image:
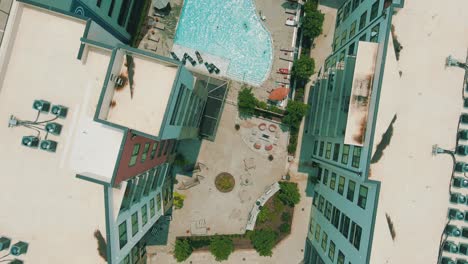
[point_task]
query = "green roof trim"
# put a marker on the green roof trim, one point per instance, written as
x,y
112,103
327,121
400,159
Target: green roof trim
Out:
x,y
90,179
119,157
53,9
108,225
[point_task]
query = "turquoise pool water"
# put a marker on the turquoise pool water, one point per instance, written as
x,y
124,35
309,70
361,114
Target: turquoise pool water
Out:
x,y
230,29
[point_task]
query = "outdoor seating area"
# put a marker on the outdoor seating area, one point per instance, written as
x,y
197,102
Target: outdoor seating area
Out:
x,y
263,137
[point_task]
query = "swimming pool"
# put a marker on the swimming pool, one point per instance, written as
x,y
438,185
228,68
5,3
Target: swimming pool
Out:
x,y
229,29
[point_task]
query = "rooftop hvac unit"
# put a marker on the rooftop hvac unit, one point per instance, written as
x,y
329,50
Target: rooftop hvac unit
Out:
x,y
462,150
30,141
19,248
54,128
457,198
16,261
463,134
446,260
464,118
452,230
4,243
460,182
59,110
49,145
449,246
455,214
461,167
461,261
41,105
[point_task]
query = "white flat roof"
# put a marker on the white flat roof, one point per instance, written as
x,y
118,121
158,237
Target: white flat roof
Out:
x,y
152,87
427,101
43,203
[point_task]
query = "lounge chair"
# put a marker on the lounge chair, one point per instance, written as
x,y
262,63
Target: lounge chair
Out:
x,y
291,12
153,37
291,22
160,26
151,45
290,49
286,57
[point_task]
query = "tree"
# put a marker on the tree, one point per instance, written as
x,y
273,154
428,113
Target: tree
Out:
x,y
295,111
289,193
221,247
312,24
246,101
178,200
263,241
182,250
285,228
264,215
303,68
286,217
310,6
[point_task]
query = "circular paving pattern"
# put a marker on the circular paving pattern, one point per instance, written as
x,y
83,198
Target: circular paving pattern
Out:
x,y
224,182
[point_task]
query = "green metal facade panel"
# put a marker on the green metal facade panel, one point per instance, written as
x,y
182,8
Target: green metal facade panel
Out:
x,y
325,157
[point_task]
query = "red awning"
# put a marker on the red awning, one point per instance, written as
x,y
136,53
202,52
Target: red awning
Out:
x,y
279,94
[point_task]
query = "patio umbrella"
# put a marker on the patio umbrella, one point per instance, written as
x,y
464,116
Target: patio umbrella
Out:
x,y
160,4
279,94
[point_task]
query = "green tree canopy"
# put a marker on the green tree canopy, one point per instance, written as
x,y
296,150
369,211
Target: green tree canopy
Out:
x,y
246,101
312,24
221,247
310,6
289,193
295,111
182,250
303,68
263,241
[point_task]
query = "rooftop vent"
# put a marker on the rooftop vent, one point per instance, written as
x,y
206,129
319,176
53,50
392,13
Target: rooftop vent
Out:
x,y
460,182
49,145
463,134
19,248
455,214
30,141
59,110
462,150
461,167
449,246
457,198
452,230
4,243
464,118
41,105
53,128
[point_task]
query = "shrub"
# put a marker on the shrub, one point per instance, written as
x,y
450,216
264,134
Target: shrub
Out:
x,y
270,157
286,217
178,200
246,101
221,247
289,193
237,126
182,250
277,205
295,111
264,215
263,241
285,228
303,68
199,242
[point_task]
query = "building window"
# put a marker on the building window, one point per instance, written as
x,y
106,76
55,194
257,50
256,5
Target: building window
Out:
x,y
352,31
325,177
331,251
343,37
317,232
345,155
158,200
157,174
336,217
363,37
351,49
328,210
375,33
124,9
315,200
166,147
123,234
144,155
126,260
133,158
336,42
152,212
135,255
346,11
111,8
374,10
315,147
344,225
363,20
341,258
336,151
324,241
144,215
342,55
321,202
149,182
153,150
319,174
161,147
355,235
98,3
328,150
351,188
321,148
333,181
341,184
177,104
140,187
134,223
339,17
362,199
355,4
356,157
311,227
